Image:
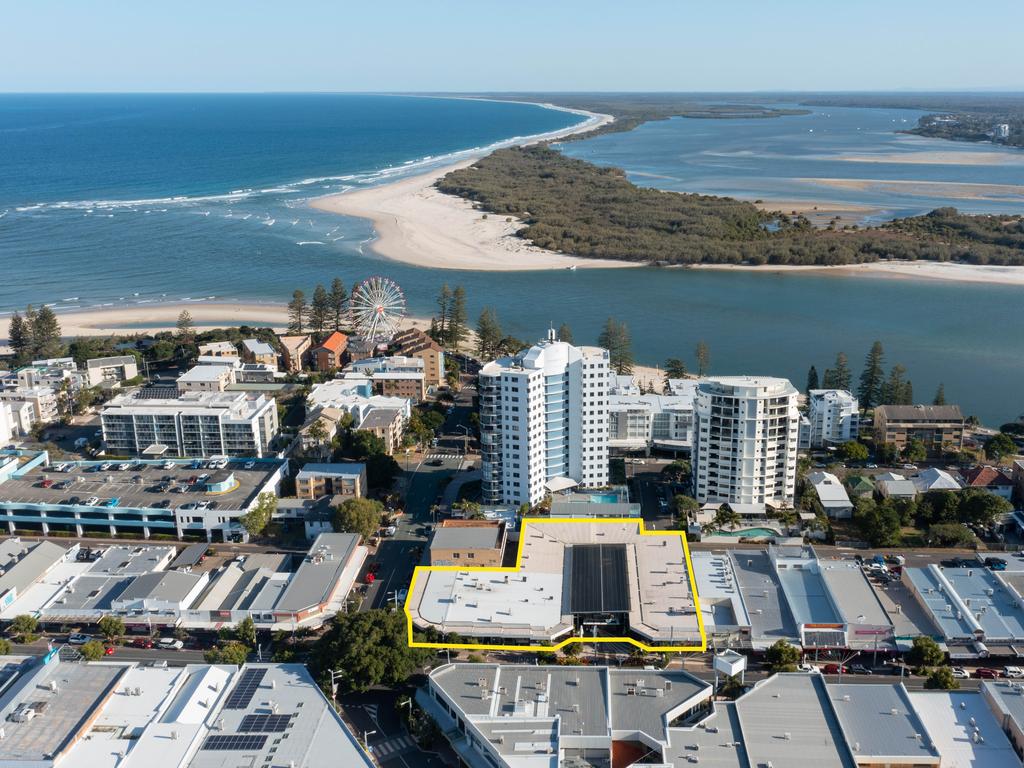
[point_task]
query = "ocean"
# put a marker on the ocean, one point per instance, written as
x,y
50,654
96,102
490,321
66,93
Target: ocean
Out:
x,y
125,199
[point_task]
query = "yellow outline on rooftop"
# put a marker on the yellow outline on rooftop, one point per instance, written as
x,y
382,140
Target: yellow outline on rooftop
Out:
x,y
558,646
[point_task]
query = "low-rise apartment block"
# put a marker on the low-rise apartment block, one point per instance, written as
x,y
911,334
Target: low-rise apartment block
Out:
x,y
295,352
256,351
218,349
471,543
939,427
397,376
199,424
347,480
331,353
642,422
111,371
416,343
353,395
834,416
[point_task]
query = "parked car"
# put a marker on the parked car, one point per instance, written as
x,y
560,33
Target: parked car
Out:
x,y
112,502
995,563
402,595
92,501
859,669
835,669
46,483
108,651
910,467
805,667
894,559
77,638
105,466
63,485
391,530
249,464
170,643
142,642
1014,672
162,504
959,673
985,673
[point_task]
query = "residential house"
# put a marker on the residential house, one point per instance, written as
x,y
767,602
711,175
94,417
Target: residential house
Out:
x,y
860,485
895,486
933,479
989,479
831,494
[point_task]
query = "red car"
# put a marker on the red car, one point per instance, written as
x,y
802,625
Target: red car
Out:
x,y
109,650
834,669
985,673
370,578
142,642
46,483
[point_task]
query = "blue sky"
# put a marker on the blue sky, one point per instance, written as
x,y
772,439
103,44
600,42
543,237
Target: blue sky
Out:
x,y
431,45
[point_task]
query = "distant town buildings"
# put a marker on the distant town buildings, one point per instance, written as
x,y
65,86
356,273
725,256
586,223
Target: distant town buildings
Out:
x,y
544,421
938,427
1001,131
329,402
834,416
155,422
396,376
745,440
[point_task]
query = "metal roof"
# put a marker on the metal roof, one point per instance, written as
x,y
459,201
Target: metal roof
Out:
x,y
467,537
920,412
880,723
598,578
319,573
190,556
171,586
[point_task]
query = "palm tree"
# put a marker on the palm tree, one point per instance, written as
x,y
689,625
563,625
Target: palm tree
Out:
x,y
725,516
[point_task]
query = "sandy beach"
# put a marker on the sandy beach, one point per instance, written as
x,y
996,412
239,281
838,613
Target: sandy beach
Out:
x,y
416,224
919,270
949,189
151,318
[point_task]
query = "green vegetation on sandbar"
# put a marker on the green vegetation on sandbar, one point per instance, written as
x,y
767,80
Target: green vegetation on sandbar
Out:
x,y
573,207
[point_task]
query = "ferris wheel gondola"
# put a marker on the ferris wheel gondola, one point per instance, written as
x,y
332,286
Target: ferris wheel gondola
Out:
x,y
376,307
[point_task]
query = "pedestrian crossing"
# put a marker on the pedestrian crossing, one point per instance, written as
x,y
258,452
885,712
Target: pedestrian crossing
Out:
x,y
392,747
443,453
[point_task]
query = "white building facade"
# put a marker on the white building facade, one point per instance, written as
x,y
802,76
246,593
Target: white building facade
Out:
x,y
640,422
746,431
834,415
544,416
198,424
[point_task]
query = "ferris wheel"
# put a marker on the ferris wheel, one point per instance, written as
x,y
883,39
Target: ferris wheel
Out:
x,y
376,307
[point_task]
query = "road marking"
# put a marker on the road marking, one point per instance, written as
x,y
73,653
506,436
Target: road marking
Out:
x,y
393,746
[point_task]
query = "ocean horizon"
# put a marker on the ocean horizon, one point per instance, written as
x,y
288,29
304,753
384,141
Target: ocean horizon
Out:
x,y
118,200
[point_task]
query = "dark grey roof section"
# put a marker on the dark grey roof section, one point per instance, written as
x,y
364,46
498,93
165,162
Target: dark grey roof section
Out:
x,y
190,556
759,587
27,563
378,418
599,582
467,537
172,586
315,580
921,412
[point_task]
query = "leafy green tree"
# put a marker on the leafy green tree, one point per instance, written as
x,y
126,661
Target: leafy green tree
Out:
x,y
111,627
871,379
5,646
46,334
674,369
457,318
616,339
186,327
842,378
245,632
782,657
24,625
853,450
444,310
92,650
879,524
297,312
360,516
940,395
256,519
685,507
372,648
703,354
231,652
915,451
1000,446
565,333
19,336
925,652
949,535
338,299
677,471
937,507
941,679
980,507
488,334
812,379
320,311
886,453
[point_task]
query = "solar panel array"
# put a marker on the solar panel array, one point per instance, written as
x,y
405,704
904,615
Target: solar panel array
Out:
x,y
245,689
264,723
234,742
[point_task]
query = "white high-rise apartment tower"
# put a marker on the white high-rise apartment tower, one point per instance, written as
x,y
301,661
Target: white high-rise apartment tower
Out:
x,y
543,421
746,431
834,415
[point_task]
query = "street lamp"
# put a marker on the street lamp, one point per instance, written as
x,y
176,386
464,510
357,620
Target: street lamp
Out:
x,y
335,674
465,439
366,735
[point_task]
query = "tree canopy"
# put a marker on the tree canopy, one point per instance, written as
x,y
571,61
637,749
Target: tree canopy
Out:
x,y
360,516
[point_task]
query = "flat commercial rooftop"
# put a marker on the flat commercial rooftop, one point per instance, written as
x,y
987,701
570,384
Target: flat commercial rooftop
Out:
x,y
135,488
853,594
770,617
950,718
619,568
880,724
320,574
720,602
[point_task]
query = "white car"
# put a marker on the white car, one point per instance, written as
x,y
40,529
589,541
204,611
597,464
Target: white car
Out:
x,y
92,501
960,673
169,465
124,466
170,643
1014,672
391,530
249,464
809,668
105,467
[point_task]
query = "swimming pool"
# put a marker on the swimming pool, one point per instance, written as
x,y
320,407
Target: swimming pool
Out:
x,y
749,532
605,498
